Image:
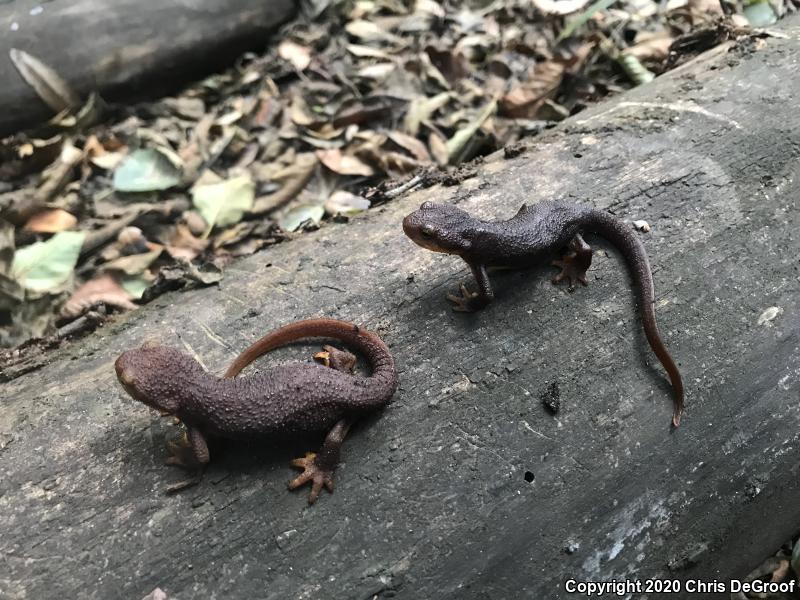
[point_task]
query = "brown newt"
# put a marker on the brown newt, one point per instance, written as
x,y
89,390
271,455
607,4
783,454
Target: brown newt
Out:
x,y
534,234
282,400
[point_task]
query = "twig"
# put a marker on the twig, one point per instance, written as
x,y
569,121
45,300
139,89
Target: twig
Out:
x,y
408,185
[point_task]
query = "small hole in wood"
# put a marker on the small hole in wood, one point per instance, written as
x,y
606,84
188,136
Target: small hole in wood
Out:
x,y
529,477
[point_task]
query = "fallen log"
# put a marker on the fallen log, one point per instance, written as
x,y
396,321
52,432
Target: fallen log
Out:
x,y
125,48
466,487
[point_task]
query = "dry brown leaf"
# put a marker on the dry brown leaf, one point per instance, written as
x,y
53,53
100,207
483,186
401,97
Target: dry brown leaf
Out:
x,y
30,156
300,113
344,203
524,100
183,244
51,220
361,110
780,572
651,46
229,118
421,109
438,146
134,264
452,64
367,52
396,163
412,144
294,179
430,7
326,132
377,71
100,156
706,7
299,56
245,247
49,85
58,175
103,288
559,7
109,161
266,110
235,234
344,164
431,72
93,147
370,32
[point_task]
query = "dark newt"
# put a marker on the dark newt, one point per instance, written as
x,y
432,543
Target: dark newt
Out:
x,y
282,400
534,234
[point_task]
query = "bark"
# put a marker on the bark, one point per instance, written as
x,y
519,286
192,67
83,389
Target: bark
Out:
x,y
126,49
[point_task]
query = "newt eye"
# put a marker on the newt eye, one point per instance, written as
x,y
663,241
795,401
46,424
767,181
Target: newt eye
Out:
x,y
426,232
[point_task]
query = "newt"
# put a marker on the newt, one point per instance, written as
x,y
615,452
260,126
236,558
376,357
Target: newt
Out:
x,y
279,401
536,233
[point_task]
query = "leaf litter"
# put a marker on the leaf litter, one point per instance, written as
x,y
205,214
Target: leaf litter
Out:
x,y
103,208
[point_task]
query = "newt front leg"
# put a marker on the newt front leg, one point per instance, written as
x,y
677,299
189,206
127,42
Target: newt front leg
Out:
x,y
191,453
472,301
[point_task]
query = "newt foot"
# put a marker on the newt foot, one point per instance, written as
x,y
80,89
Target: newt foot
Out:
x,y
340,360
467,301
574,263
569,271
180,453
318,475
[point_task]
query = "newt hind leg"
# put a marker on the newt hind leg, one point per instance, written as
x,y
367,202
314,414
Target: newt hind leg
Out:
x,y
339,360
318,468
574,263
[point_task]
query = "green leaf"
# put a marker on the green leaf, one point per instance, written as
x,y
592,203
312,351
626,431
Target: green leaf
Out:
x,y
759,13
224,203
135,286
796,557
146,170
457,143
345,203
46,266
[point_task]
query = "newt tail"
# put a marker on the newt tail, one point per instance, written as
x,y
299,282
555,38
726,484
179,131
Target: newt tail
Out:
x,y
629,245
374,350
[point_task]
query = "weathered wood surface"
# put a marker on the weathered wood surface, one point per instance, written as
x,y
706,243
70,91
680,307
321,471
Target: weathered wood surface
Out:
x,y
125,45
432,499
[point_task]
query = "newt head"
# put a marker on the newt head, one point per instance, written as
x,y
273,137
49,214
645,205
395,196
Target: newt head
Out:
x,y
440,227
153,375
